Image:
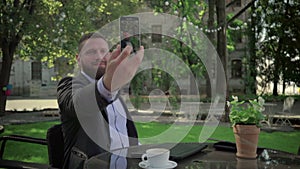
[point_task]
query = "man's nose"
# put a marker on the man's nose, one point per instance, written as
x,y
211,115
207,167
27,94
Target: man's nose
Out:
x,y
100,55
107,55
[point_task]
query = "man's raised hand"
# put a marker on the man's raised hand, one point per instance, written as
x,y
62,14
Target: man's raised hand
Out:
x,y
121,67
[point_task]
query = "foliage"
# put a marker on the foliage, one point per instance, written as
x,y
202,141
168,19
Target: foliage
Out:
x,y
192,12
249,114
277,28
137,88
56,36
233,35
53,28
49,30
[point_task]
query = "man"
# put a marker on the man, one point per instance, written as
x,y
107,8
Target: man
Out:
x,y
94,118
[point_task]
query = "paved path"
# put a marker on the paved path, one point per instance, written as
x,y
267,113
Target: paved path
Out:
x,y
34,114
30,104
21,104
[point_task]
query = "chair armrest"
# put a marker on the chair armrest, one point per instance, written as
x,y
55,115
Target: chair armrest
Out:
x,y
20,138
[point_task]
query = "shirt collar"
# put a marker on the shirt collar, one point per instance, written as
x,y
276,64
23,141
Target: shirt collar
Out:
x,y
87,76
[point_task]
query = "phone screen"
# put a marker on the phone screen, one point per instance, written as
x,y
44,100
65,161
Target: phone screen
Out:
x,y
130,32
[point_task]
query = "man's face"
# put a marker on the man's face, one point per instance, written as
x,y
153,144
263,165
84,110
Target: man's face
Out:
x,y
93,57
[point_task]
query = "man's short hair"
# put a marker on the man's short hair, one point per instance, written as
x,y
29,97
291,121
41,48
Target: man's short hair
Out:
x,y
91,35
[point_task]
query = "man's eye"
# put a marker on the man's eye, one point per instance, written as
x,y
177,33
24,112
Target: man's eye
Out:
x,y
103,51
91,52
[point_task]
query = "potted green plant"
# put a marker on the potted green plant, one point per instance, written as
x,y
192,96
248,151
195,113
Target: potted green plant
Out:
x,y
245,119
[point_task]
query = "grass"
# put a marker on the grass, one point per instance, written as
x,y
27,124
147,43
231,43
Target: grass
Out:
x,y
285,141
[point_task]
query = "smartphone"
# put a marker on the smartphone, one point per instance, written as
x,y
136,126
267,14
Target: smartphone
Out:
x,y
130,32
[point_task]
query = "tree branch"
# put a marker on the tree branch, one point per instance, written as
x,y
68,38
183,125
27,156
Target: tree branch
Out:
x,y
241,11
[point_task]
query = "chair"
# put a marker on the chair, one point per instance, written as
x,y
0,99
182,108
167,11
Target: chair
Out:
x,y
283,116
53,141
20,164
288,104
55,146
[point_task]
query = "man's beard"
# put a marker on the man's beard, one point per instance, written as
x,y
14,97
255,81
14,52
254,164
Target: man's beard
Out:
x,y
100,73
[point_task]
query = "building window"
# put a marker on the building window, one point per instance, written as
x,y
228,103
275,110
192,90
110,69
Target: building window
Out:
x,y
156,33
236,68
239,37
36,71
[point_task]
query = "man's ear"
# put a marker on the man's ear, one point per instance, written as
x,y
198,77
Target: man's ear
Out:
x,y
78,58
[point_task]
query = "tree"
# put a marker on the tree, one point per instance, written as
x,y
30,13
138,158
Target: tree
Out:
x,y
18,18
211,37
222,51
38,30
193,13
47,30
252,64
278,45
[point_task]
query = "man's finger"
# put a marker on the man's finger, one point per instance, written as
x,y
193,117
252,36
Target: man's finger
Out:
x,y
116,52
138,57
134,61
126,52
140,53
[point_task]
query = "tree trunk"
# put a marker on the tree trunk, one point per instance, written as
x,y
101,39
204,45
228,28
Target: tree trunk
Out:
x,y
211,37
276,79
283,86
4,76
221,48
278,66
211,20
275,92
251,69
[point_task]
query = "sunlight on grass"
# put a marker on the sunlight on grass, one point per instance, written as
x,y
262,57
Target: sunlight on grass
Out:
x,y
34,130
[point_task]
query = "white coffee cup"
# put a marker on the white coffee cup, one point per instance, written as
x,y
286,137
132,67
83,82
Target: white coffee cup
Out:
x,y
156,157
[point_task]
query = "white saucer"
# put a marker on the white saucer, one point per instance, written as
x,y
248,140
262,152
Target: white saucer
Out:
x,y
170,165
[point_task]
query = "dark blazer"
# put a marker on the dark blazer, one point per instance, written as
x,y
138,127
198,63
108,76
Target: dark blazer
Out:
x,y
86,131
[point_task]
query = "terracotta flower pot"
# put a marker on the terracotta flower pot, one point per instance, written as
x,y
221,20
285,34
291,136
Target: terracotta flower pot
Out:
x,y
246,137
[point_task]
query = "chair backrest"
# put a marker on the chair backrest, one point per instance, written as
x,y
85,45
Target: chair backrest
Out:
x,y
288,104
55,146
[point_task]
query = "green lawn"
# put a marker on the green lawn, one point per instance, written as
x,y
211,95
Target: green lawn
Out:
x,y
286,141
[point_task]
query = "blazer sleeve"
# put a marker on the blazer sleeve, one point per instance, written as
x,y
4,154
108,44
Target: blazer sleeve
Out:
x,y
72,91
80,103
64,97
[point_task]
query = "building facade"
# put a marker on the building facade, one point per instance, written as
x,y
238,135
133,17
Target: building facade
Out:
x,y
32,79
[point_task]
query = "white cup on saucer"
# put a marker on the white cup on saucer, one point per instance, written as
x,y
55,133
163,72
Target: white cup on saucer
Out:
x,y
156,157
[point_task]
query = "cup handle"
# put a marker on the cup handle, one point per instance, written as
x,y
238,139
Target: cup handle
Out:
x,y
145,163
144,156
